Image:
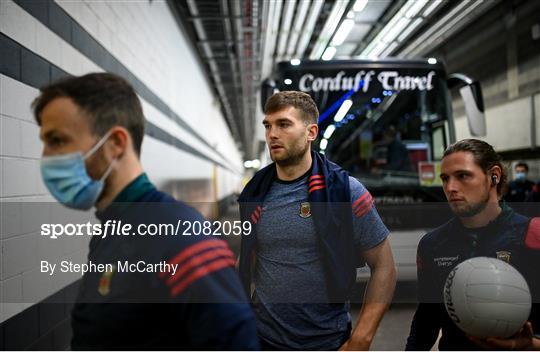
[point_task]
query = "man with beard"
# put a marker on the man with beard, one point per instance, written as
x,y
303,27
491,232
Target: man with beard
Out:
x,y
313,225
92,128
473,178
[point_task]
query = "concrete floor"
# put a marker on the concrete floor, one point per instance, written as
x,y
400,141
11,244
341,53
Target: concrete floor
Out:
x,y
394,329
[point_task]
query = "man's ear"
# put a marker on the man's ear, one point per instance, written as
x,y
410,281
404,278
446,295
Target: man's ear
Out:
x,y
313,131
118,142
495,174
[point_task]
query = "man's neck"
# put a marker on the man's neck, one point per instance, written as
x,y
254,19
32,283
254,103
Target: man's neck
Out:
x,y
117,182
292,172
487,215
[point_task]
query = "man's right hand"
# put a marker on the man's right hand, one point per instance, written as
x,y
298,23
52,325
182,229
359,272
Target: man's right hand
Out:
x,y
523,340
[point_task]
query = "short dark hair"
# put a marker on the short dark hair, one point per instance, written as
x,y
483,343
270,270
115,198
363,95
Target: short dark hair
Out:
x,y
106,99
290,98
522,164
484,156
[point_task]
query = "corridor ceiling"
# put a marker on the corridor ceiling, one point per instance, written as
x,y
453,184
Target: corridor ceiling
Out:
x,y
240,41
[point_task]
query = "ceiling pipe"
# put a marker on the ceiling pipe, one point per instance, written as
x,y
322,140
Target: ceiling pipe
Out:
x,y
451,23
229,37
270,44
239,44
255,71
213,68
266,23
308,28
288,12
301,13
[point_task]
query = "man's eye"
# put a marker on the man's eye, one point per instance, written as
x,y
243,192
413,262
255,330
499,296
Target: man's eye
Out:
x,y
55,141
463,176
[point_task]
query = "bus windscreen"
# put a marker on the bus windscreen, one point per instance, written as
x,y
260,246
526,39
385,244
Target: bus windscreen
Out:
x,y
379,123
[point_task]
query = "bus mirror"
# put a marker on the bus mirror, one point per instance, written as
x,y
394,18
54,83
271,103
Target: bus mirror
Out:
x,y
268,88
474,108
471,93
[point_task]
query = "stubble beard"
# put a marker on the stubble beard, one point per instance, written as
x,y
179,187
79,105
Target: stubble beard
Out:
x,y
292,156
472,209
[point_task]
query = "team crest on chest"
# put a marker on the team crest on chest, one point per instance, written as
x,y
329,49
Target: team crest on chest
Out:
x,y
104,286
504,256
305,210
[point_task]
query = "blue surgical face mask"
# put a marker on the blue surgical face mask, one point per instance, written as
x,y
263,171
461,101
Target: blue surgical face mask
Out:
x,y
521,176
68,181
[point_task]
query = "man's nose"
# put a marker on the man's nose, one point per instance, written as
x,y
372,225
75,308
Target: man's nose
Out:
x,y
451,185
272,132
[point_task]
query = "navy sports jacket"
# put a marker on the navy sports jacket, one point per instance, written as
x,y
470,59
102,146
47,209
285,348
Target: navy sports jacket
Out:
x,y
330,199
510,237
200,306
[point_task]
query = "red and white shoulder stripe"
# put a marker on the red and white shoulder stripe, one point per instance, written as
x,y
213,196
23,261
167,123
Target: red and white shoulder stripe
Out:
x,y
255,216
362,205
532,238
316,182
197,261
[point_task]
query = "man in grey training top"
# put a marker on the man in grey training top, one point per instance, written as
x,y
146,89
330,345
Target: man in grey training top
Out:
x,y
313,225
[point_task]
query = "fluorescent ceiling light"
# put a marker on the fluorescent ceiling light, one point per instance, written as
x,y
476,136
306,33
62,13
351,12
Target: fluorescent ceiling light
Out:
x,y
285,27
415,8
389,49
287,81
393,33
377,50
431,7
248,164
329,53
343,110
256,163
359,5
400,26
343,32
328,132
445,27
324,144
300,17
295,62
432,60
409,29
307,30
329,29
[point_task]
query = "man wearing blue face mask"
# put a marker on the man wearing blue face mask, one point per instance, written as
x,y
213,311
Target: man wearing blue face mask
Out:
x,y
92,129
66,178
520,188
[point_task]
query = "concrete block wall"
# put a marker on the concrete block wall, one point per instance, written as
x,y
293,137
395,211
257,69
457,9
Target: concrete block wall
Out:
x,y
186,135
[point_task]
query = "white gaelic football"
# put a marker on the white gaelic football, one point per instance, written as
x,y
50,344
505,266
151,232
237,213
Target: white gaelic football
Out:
x,y
487,297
